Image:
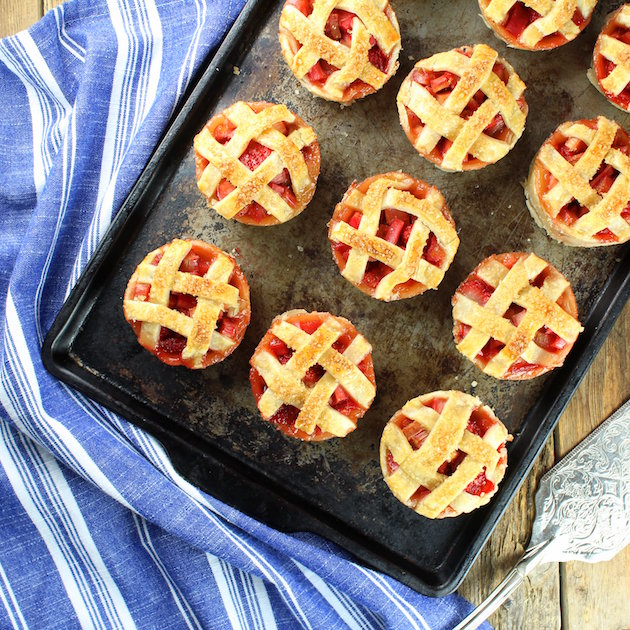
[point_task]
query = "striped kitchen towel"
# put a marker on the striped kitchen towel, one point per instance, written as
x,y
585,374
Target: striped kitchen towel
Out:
x,y
96,527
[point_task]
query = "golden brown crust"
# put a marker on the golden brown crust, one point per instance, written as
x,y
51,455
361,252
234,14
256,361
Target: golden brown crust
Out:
x,y
298,152
303,43
222,289
470,148
554,26
609,48
408,469
411,273
552,305
607,144
283,381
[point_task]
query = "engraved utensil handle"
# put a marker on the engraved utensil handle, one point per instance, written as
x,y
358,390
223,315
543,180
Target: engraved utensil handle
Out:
x,y
532,558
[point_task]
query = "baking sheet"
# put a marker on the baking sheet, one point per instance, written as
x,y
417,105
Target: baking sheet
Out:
x,y
208,419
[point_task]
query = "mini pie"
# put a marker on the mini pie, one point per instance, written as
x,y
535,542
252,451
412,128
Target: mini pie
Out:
x,y
341,50
312,375
257,163
578,187
610,72
515,316
392,236
463,109
188,303
443,454
537,24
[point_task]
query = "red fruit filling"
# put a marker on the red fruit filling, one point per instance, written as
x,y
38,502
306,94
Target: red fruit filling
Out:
x,y
603,67
394,227
437,404
392,466
520,16
285,417
319,73
572,149
304,6
339,27
479,423
480,485
171,344
476,289
254,155
479,291
440,84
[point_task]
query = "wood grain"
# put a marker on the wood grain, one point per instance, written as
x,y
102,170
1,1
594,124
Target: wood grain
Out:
x,y
597,595
536,604
50,4
577,595
16,15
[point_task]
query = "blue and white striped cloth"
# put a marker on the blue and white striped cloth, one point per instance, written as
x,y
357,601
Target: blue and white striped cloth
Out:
x,y
96,527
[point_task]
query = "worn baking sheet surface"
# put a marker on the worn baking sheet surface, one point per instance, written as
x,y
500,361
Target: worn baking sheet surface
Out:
x,y
290,266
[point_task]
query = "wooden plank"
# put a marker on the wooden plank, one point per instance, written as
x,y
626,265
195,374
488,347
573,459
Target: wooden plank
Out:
x,y
16,15
51,4
596,596
536,604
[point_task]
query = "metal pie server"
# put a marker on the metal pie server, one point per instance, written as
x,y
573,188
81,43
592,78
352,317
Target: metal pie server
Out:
x,y
582,509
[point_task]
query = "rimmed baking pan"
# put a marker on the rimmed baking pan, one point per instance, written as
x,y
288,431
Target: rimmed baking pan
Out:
x,y
208,420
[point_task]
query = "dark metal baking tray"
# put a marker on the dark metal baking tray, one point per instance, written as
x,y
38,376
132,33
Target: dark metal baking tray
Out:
x,y
208,420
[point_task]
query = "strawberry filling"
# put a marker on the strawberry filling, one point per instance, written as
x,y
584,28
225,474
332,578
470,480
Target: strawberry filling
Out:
x,y
539,280
440,84
479,423
476,289
392,466
319,73
572,149
304,6
520,16
480,485
340,400
254,155
170,344
603,67
549,341
338,27
395,227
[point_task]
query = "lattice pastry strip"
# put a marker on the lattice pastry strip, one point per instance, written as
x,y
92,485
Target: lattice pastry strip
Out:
x,y
610,47
388,192
407,468
442,117
619,53
555,17
512,287
212,292
573,179
373,21
284,381
601,210
252,186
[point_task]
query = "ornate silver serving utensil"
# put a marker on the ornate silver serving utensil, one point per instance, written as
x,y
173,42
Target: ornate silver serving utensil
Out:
x,y
582,509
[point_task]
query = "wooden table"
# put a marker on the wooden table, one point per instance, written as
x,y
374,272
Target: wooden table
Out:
x,y
574,595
